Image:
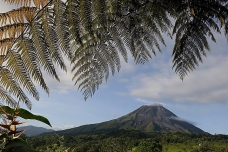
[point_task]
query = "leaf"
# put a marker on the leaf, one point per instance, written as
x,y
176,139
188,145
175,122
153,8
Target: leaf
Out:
x,y
5,96
18,15
24,114
4,135
18,145
28,115
6,110
11,85
17,67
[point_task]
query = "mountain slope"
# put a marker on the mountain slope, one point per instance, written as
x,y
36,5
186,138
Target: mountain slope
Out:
x,y
33,131
148,118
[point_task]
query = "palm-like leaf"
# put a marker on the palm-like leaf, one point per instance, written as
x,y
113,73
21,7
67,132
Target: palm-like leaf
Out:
x,y
62,28
6,97
192,28
42,47
94,34
17,68
8,82
29,56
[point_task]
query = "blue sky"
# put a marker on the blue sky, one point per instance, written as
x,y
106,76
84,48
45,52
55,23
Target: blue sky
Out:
x,y
202,98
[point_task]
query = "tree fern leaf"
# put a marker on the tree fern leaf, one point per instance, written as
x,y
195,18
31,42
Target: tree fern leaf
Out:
x,y
51,38
16,66
100,11
100,58
5,97
114,55
83,68
61,27
107,56
2,57
19,2
73,11
86,15
5,45
118,43
30,57
17,15
44,55
142,53
7,82
12,30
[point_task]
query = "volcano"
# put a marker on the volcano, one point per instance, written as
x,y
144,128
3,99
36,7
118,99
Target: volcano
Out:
x,y
147,118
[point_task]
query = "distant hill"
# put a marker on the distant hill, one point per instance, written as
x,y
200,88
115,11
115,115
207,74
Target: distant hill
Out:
x,y
147,118
33,131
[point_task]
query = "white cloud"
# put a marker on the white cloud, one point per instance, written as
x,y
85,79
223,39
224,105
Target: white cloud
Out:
x,y
181,119
209,83
149,102
65,83
62,127
156,81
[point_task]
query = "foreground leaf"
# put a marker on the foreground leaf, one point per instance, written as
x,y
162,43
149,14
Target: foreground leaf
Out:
x,y
18,145
28,115
24,114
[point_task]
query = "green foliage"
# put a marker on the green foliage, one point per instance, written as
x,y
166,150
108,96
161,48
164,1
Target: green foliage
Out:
x,y
132,141
149,146
17,145
10,138
20,112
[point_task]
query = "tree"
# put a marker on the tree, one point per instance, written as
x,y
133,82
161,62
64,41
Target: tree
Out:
x,y
94,34
149,146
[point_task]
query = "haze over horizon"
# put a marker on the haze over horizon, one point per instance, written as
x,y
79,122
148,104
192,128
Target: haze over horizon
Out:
x,y
202,98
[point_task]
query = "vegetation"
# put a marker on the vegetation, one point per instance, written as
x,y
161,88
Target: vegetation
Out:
x,y
132,141
10,137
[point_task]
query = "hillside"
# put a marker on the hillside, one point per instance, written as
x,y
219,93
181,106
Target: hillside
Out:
x,y
34,131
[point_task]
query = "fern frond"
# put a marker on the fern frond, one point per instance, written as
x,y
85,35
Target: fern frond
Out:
x,y
16,66
190,44
100,12
100,58
12,30
75,26
142,53
18,15
2,57
115,33
86,15
5,44
44,55
5,96
114,55
19,2
8,82
50,37
106,53
29,55
38,3
61,28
